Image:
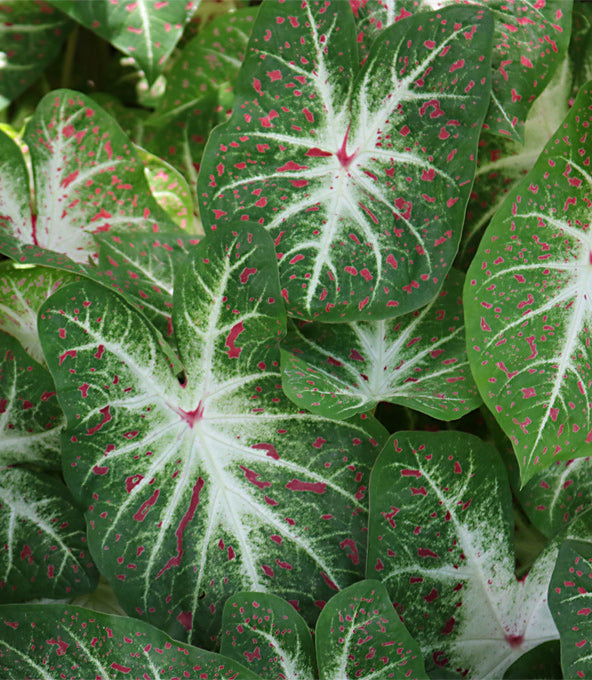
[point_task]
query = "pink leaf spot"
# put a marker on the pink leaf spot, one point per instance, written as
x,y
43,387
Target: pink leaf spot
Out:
x,y
299,485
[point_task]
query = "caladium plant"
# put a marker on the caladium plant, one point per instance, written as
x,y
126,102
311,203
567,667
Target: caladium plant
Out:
x,y
207,334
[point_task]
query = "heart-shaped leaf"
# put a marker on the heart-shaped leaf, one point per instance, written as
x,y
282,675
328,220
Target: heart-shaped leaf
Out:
x,y
146,30
88,179
527,304
361,176
23,289
570,600
198,490
30,417
359,635
32,34
269,636
440,539
44,538
65,641
417,360
529,40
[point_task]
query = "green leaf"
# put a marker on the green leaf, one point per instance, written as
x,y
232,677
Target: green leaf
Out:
x,y
32,34
359,635
55,640
146,30
220,484
417,360
570,600
30,417
540,663
529,41
268,635
44,538
23,289
361,176
440,539
527,303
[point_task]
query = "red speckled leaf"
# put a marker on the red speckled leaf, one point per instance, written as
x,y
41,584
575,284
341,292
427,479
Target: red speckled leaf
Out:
x,y
361,176
527,304
146,30
68,642
440,539
570,601
219,484
31,420
530,38
269,636
32,34
418,360
43,535
88,179
359,635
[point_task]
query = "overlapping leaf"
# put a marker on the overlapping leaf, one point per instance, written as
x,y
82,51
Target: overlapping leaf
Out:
x,y
22,292
146,30
570,600
529,40
88,179
361,176
269,636
32,34
30,417
417,360
540,663
527,303
198,490
65,641
359,635
43,537
440,539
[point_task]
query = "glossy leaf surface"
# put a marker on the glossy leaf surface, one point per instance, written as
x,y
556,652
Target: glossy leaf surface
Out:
x,y
146,30
417,360
527,303
30,417
570,600
529,40
198,490
269,636
32,34
43,537
440,540
65,641
361,176
360,635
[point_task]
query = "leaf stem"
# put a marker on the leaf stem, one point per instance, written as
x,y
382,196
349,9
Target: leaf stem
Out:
x,y
68,63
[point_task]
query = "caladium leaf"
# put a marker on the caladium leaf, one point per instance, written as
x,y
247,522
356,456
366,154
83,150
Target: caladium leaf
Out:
x,y
440,539
529,40
198,490
361,176
169,188
32,34
503,163
30,417
88,179
143,268
44,538
417,360
55,640
527,303
579,47
146,30
23,289
269,636
359,635
570,600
